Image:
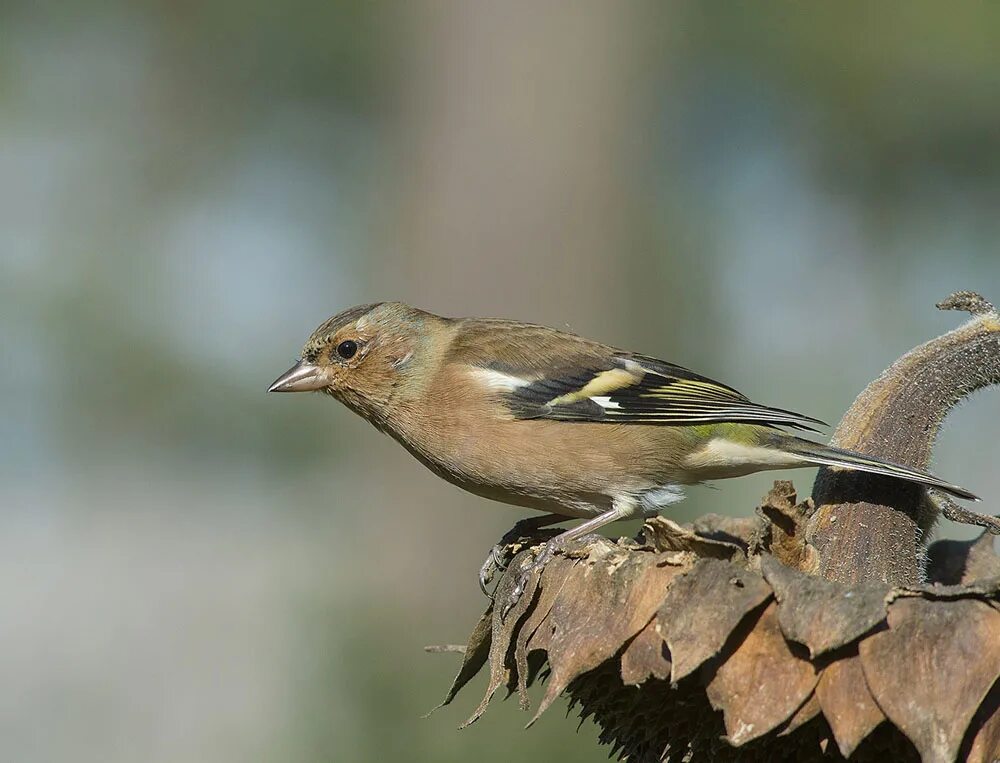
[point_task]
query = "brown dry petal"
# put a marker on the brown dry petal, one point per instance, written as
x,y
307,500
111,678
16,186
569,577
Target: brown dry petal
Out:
x,y
552,581
984,747
536,632
738,530
953,562
931,670
601,606
646,656
663,534
984,589
476,652
762,683
503,629
786,525
782,497
703,608
802,716
847,704
821,614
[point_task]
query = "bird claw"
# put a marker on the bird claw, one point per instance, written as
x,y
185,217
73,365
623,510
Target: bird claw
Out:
x,y
496,561
502,553
528,571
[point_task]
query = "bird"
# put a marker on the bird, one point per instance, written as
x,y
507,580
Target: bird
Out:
x,y
548,420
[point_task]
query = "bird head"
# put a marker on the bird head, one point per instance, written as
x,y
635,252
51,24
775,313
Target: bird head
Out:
x,y
360,356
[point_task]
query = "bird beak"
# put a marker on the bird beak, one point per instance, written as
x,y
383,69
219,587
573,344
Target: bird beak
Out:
x,y
302,377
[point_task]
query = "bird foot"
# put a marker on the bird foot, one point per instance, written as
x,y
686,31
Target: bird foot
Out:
x,y
519,537
529,570
496,561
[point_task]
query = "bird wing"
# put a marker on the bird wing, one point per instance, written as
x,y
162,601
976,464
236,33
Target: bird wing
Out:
x,y
635,389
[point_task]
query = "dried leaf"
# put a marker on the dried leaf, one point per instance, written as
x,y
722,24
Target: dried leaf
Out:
x,y
822,614
762,683
931,670
847,704
601,606
646,656
703,607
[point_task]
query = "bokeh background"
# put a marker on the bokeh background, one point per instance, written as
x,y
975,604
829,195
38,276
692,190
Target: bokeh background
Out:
x,y
772,194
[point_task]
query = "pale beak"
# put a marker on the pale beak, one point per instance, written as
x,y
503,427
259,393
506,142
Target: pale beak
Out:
x,y
302,377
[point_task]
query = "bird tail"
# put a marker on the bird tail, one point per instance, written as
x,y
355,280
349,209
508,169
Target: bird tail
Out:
x,y
827,455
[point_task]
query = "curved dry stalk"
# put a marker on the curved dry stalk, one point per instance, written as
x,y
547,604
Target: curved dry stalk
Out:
x,y
871,528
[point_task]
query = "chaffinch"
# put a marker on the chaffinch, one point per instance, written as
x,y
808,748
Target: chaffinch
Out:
x,y
545,419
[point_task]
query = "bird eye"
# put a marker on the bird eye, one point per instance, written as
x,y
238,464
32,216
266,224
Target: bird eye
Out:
x,y
347,349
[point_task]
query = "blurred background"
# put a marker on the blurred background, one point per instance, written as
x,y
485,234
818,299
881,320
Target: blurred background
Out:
x,y
190,570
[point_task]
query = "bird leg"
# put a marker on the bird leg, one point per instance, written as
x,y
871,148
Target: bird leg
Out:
x,y
620,509
500,555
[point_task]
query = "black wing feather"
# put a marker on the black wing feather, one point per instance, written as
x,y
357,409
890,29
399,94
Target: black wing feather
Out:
x,y
640,390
